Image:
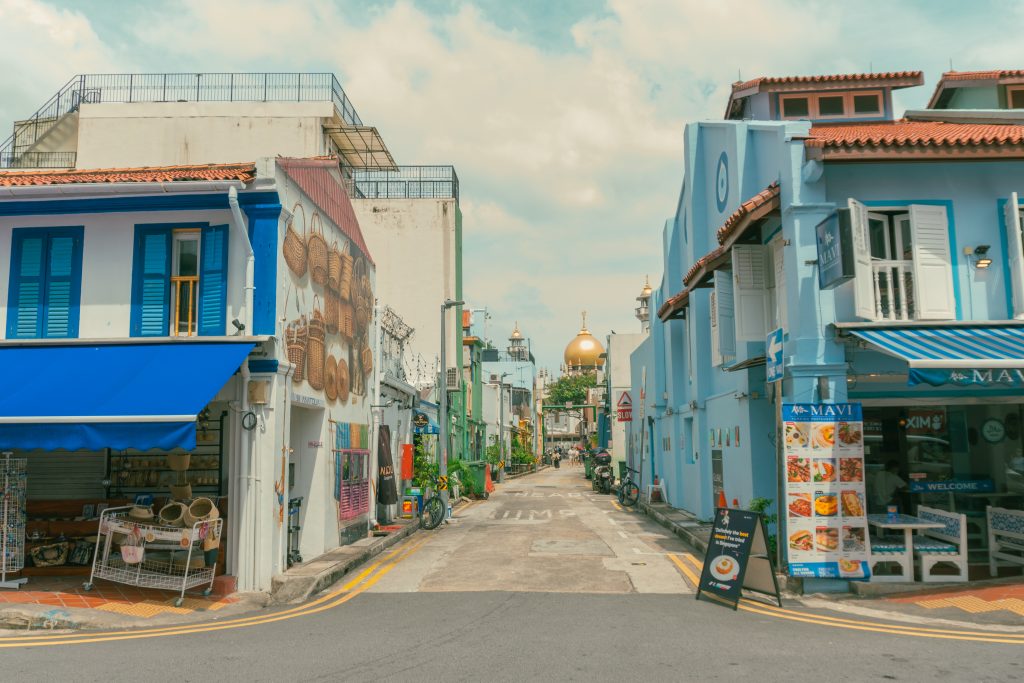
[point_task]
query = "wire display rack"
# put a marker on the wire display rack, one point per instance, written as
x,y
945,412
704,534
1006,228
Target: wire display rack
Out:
x,y
168,553
13,482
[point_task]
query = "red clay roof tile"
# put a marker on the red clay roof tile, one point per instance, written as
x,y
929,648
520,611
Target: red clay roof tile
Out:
x,y
735,220
827,78
981,75
143,174
924,134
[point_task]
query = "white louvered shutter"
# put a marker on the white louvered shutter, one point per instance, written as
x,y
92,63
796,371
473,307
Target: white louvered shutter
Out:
x,y
716,350
863,280
750,291
933,267
1015,255
724,317
779,276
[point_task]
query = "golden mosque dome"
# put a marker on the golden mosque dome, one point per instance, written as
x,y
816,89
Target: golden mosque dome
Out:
x,y
584,351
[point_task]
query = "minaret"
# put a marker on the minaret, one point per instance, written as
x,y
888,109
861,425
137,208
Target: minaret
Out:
x,y
643,309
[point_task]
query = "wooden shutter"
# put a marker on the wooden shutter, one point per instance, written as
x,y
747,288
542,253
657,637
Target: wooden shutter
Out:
x,y
1015,255
63,285
25,308
152,277
778,247
750,291
716,350
864,279
933,267
724,317
213,281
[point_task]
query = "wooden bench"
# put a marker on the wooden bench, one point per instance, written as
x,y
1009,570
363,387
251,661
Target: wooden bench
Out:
x,y
1005,537
945,546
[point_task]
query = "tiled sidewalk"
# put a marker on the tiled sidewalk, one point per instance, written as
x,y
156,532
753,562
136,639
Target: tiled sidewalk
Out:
x,y
1007,597
67,592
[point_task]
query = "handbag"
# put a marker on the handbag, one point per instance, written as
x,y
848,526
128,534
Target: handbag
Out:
x,y
132,549
53,555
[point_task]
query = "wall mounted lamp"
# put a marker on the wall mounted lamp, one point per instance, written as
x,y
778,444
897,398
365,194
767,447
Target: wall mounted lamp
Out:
x,y
981,259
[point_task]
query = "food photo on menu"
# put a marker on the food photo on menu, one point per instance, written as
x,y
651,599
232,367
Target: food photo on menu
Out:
x,y
799,505
851,568
826,538
823,436
851,469
798,470
825,504
798,435
853,503
801,540
824,470
853,539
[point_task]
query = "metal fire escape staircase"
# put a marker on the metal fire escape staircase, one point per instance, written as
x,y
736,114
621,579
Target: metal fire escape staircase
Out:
x,y
20,150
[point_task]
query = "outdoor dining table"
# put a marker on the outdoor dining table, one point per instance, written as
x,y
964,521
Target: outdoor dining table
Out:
x,y
908,523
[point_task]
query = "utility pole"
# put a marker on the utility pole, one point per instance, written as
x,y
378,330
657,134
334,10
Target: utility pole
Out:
x,y
501,418
443,406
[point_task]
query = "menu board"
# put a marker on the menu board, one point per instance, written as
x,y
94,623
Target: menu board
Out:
x,y
737,558
826,511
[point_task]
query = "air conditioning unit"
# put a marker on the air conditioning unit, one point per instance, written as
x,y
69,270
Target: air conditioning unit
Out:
x,y
451,379
494,378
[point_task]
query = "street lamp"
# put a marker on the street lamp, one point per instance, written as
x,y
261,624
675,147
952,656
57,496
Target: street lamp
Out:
x,y
501,418
443,407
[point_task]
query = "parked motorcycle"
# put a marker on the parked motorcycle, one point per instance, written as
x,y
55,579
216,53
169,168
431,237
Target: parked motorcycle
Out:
x,y
604,478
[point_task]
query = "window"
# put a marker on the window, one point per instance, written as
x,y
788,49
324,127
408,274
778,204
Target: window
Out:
x,y
1015,97
45,283
830,106
795,107
179,281
867,104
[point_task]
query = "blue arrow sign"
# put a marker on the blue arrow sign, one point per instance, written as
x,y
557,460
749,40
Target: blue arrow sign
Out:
x,y
773,355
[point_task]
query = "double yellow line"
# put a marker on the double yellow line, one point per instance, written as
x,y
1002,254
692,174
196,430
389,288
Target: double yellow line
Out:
x,y
691,570
359,584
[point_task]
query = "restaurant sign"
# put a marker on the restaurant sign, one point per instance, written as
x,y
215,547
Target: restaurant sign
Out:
x,y
826,522
737,558
953,486
835,249
1011,377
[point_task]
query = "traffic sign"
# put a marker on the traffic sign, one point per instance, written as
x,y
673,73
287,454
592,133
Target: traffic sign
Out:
x,y
624,407
773,356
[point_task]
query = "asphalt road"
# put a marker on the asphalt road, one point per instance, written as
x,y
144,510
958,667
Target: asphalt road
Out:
x,y
544,581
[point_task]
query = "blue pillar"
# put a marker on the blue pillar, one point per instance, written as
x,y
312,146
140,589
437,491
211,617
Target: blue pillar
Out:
x,y
263,232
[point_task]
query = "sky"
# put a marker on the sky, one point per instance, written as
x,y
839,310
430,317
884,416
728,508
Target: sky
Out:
x,y
564,118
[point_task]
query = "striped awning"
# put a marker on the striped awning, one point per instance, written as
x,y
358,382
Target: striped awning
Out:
x,y
990,354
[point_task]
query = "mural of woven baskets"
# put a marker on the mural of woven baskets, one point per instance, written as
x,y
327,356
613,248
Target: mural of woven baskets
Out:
x,y
362,322
343,387
317,323
294,247
346,320
367,359
316,248
334,268
296,338
345,280
331,378
332,311
315,363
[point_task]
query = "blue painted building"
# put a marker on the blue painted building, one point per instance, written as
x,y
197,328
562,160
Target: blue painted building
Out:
x,y
921,322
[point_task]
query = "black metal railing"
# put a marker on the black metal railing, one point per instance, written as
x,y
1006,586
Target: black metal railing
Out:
x,y
408,182
30,160
178,87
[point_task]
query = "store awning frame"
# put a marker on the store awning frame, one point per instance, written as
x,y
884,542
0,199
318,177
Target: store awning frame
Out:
x,y
949,347
361,147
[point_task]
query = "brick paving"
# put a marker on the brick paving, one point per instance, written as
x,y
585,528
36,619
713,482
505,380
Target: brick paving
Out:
x,y
67,592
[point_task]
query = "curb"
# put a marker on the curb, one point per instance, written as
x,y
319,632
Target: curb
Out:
x,y
682,532
298,587
509,477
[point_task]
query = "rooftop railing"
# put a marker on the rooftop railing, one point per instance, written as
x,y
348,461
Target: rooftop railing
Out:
x,y
177,87
408,182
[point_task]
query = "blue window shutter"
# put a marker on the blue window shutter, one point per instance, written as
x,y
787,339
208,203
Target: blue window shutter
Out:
x,y
24,309
151,278
213,281
63,285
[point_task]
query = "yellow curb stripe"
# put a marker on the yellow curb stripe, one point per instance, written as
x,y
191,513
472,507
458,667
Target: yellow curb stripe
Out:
x,y
839,621
694,581
694,561
311,607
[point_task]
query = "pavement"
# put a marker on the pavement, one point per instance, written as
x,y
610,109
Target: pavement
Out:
x,y
546,580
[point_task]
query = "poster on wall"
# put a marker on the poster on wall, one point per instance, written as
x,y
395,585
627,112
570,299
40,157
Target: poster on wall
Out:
x,y
826,515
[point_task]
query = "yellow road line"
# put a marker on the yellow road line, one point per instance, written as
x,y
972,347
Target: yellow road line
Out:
x,y
693,560
339,596
838,621
617,506
685,570
765,610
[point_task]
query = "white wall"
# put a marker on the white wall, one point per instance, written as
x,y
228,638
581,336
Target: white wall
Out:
x,y
107,252
114,135
620,348
413,244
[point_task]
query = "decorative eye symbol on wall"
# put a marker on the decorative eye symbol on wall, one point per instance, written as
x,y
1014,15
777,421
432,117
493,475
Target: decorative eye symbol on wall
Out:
x,y
722,182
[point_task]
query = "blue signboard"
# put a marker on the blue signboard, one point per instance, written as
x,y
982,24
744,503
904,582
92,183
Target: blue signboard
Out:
x,y
773,355
822,412
1011,377
953,486
835,249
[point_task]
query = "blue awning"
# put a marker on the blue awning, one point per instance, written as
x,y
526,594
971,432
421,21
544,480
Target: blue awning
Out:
x,y
989,354
431,426
131,395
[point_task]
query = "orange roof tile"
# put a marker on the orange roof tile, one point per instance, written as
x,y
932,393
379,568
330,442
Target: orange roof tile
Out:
x,y
829,78
982,75
768,195
923,136
142,174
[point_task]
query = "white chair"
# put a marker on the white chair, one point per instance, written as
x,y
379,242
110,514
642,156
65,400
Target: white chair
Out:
x,y
1005,537
945,546
885,552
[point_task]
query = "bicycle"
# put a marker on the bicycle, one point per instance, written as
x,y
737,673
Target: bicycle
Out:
x,y
433,512
629,492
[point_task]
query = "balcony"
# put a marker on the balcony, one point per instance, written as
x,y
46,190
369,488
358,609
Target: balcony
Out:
x,y
37,160
894,289
407,182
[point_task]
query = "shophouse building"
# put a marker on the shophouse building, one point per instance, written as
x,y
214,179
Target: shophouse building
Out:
x,y
919,320
511,374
